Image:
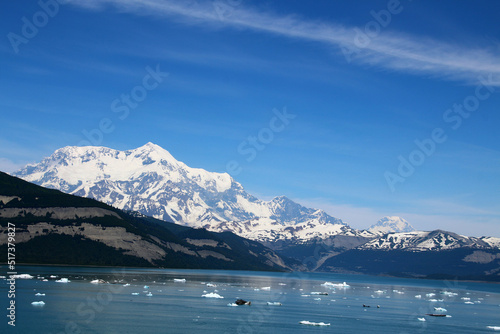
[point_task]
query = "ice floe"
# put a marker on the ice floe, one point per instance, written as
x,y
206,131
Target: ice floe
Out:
x,y
319,293
418,296
274,303
40,303
211,285
266,288
421,319
232,304
469,303
495,328
135,293
212,295
98,281
149,294
40,294
63,280
180,280
310,323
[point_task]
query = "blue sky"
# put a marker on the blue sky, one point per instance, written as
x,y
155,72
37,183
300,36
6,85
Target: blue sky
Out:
x,y
361,82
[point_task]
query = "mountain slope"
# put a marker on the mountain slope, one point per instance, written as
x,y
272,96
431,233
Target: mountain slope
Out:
x,y
149,180
53,227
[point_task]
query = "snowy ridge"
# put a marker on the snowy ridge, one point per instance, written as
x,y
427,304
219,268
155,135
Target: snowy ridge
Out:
x,y
429,241
390,225
151,181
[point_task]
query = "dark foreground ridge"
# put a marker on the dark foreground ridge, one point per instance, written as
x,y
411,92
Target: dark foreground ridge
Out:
x,y
56,228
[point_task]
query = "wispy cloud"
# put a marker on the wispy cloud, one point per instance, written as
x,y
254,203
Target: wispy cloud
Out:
x,y
389,50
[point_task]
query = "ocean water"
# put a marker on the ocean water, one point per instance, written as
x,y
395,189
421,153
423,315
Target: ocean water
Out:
x,y
123,305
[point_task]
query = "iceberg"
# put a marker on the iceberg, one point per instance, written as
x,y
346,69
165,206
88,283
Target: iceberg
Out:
x,y
274,303
319,293
40,303
149,294
22,276
336,285
421,319
180,280
63,280
266,288
211,285
232,304
310,323
98,281
440,309
40,294
495,328
135,293
212,295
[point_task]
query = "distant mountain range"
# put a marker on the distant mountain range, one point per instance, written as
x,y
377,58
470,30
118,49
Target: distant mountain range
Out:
x,y
150,181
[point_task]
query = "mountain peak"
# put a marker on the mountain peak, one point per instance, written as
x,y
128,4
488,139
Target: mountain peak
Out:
x,y
391,224
148,179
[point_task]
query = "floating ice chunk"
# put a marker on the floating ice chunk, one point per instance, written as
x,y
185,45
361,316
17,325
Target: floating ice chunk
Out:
x,y
98,281
495,328
310,323
469,303
418,296
40,294
281,283
274,303
212,295
211,285
180,280
317,298
146,287
421,319
149,294
336,285
232,304
465,298
256,289
319,293
449,294
135,293
266,288
440,309
430,295
53,276
22,276
63,280
379,291
40,303
126,284
305,295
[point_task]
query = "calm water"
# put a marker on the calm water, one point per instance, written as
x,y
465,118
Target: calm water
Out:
x,y
177,307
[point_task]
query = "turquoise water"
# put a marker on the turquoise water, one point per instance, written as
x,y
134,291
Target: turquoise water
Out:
x,y
177,307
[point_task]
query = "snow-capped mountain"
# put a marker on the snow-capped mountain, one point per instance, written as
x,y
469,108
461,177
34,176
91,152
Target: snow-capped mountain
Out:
x,y
429,241
151,181
391,224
